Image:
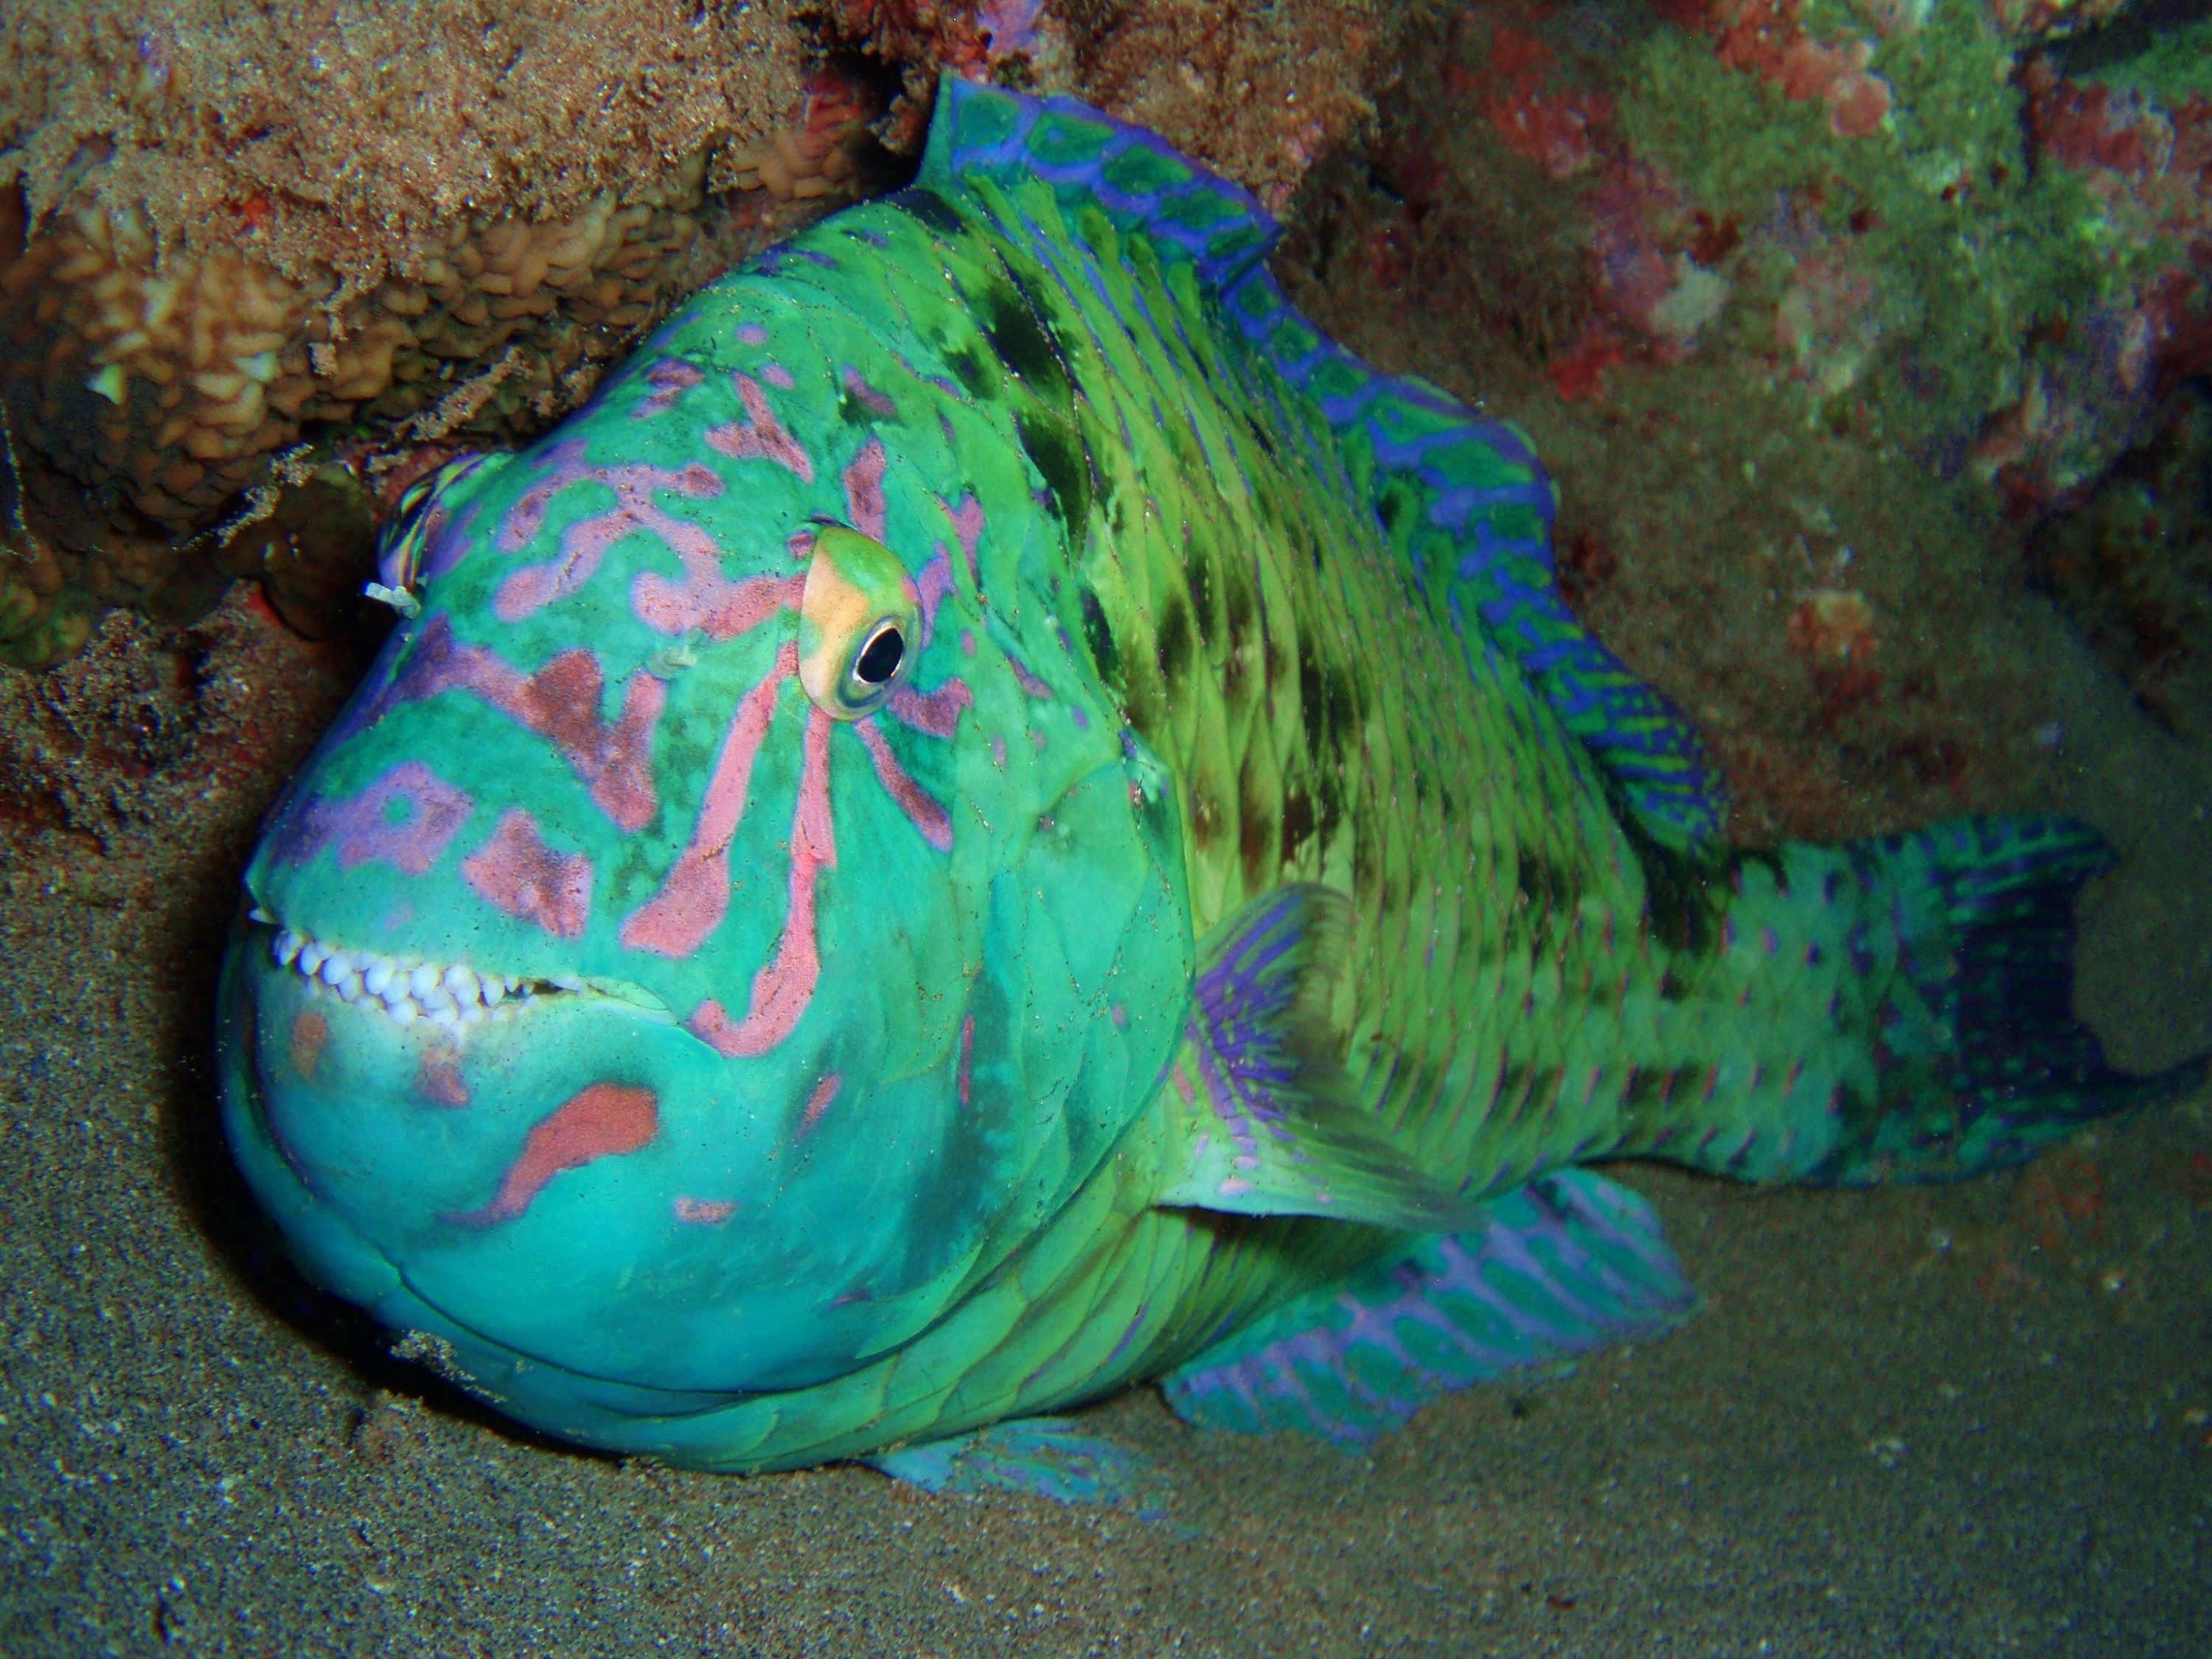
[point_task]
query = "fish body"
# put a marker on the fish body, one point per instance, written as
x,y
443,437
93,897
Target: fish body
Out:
x,y
997,818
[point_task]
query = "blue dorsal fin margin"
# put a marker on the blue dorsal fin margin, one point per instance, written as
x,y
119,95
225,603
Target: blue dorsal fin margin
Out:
x,y
1140,180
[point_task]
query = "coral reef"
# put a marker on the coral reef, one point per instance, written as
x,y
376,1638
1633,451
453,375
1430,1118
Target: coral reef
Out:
x,y
221,235
1815,308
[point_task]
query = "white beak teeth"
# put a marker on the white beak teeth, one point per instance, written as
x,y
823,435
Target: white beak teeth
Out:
x,y
448,994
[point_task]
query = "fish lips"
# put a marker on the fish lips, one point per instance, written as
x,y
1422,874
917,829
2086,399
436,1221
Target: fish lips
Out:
x,y
574,1182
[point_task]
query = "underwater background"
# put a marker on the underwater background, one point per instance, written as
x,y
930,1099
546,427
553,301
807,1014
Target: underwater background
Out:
x,y
1867,341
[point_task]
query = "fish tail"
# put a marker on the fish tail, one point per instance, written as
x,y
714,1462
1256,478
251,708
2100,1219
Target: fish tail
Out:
x,y
1903,1009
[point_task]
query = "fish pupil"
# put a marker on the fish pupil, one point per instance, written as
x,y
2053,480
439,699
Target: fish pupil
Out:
x,y
881,656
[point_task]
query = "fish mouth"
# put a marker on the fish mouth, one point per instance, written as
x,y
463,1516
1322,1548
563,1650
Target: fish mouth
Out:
x,y
446,995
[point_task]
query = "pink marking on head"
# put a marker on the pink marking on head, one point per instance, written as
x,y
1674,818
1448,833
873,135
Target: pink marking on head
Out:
x,y
704,1212
1119,1013
968,525
560,702
928,816
997,752
584,543
564,463
937,712
670,378
782,989
779,377
864,490
517,874
933,583
311,1033
966,1057
874,401
438,1079
818,1102
752,334
760,436
695,896
710,602
968,641
364,829
1029,682
603,1121
1037,739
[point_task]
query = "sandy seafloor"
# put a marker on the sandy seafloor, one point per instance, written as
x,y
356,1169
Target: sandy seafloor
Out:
x,y
1960,1421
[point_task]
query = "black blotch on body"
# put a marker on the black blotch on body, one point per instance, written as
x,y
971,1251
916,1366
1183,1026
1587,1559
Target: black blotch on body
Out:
x,y
1237,600
1343,704
1098,635
1298,821
1313,707
1327,703
1390,505
1199,572
1257,837
971,368
1024,339
1329,801
1172,643
1056,448
1540,881
927,207
1683,904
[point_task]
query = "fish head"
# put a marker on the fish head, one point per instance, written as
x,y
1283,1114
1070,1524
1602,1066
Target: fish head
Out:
x,y
731,917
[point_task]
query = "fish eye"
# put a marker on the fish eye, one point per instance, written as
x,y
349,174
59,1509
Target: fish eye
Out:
x,y
403,545
880,657
857,614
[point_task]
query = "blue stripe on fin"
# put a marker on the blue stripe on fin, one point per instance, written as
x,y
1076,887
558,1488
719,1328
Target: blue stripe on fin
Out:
x,y
1090,159
1569,1263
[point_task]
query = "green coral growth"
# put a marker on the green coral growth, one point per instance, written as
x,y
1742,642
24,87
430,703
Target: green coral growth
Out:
x,y
1908,269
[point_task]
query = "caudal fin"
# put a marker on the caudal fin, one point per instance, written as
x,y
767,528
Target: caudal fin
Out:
x,y
1921,987
1979,1059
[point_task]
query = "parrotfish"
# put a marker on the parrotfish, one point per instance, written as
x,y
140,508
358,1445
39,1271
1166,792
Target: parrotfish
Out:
x,y
997,818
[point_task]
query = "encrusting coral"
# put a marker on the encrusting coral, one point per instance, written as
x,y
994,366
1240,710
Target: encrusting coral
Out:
x,y
220,236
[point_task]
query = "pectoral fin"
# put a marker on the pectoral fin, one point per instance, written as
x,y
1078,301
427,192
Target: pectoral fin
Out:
x,y
1271,1120
1569,1263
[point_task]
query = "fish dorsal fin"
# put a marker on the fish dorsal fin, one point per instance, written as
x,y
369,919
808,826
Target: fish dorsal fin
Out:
x,y
1090,159
1466,506
1271,1122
